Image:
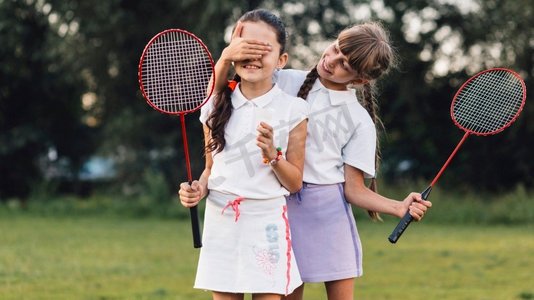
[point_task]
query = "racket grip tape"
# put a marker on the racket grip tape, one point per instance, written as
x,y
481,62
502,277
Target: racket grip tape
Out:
x,y
406,220
195,226
403,224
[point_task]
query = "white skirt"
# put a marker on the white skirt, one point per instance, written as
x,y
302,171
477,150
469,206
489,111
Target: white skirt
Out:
x,y
246,247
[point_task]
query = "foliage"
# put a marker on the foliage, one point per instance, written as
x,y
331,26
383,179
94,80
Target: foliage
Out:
x,y
39,98
440,44
72,93
449,207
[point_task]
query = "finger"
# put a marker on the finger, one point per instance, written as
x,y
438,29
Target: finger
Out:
x,y
195,186
250,53
416,197
247,57
190,198
262,144
186,190
422,202
187,200
265,129
266,126
257,45
238,30
265,134
416,213
419,204
188,204
185,187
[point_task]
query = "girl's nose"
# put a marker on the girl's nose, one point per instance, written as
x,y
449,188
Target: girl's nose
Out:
x,y
335,59
331,62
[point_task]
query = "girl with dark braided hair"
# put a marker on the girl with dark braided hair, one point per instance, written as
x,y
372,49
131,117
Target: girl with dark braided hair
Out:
x,y
341,152
255,136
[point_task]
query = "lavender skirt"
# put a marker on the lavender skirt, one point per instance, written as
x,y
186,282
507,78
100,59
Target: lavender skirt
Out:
x,y
324,234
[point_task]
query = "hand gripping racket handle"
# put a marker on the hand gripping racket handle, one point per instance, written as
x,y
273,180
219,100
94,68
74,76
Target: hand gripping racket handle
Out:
x,y
406,220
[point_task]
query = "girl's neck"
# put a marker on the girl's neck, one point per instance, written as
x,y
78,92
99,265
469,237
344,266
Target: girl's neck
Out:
x,y
333,85
253,90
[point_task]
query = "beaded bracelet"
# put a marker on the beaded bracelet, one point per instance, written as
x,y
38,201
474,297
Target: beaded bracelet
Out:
x,y
275,160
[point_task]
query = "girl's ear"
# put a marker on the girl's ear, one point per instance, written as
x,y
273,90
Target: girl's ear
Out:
x,y
282,61
359,81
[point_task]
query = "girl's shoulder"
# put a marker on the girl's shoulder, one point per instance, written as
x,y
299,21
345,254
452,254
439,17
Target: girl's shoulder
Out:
x,y
289,99
291,74
290,80
290,103
291,108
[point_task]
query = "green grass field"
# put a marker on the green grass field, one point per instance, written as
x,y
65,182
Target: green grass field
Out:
x,y
121,258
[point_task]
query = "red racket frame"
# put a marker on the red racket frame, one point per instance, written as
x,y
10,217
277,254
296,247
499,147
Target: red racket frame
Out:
x,y
197,241
407,219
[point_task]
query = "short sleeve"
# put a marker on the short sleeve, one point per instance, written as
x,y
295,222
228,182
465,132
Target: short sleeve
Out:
x,y
300,112
360,151
206,110
289,80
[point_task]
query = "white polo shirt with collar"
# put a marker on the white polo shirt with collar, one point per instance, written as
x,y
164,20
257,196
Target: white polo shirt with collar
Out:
x,y
340,131
239,168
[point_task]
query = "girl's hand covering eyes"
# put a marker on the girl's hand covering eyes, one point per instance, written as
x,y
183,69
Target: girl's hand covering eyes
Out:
x,y
241,49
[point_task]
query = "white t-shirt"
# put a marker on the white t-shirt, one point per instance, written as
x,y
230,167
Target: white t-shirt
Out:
x,y
340,131
239,168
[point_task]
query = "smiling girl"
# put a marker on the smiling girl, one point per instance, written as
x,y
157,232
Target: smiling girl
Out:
x,y
255,138
341,152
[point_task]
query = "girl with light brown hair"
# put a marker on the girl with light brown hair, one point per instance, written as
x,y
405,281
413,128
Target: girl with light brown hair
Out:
x,y
341,152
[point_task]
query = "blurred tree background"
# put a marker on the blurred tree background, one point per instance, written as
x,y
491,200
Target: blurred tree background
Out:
x,y
69,90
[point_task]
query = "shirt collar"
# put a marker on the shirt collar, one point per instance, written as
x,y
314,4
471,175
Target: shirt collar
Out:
x,y
336,97
238,99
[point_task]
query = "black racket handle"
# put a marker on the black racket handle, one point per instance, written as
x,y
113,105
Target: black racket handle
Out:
x,y
197,241
195,225
403,224
406,220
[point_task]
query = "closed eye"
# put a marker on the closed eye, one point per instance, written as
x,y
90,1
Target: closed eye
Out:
x,y
342,63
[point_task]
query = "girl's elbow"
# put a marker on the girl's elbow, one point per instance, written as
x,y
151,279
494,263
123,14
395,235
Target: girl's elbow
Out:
x,y
296,185
295,188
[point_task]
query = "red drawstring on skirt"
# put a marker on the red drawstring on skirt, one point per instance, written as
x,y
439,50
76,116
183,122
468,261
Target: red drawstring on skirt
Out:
x,y
288,253
235,206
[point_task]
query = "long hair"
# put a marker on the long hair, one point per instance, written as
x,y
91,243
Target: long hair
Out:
x,y
222,110
370,55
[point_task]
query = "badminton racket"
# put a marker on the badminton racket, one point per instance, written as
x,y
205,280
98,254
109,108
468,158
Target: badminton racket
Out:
x,y
486,104
174,72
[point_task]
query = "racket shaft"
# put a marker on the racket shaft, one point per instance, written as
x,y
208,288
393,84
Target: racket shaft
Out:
x,y
406,220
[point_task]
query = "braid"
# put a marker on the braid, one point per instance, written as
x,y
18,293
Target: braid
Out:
x,y
369,102
308,83
219,117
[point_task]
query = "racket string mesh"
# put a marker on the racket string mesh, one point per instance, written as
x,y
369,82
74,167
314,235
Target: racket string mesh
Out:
x,y
175,72
489,102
